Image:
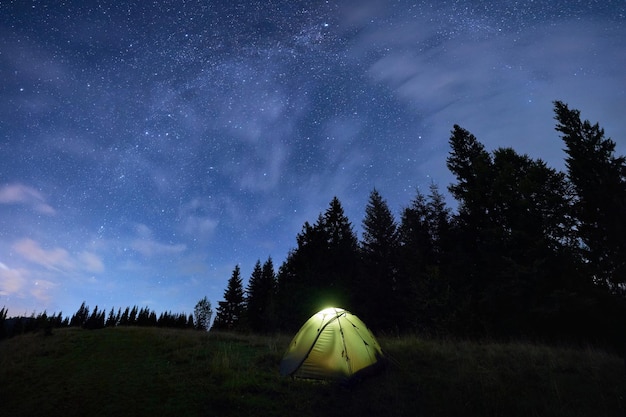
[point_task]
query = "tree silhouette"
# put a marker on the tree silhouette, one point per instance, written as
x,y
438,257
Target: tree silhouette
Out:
x,y
203,313
3,317
599,180
321,271
424,263
229,312
111,321
80,317
124,318
260,297
376,289
529,252
95,320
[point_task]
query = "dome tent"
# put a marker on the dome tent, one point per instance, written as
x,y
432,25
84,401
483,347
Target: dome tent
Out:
x,y
333,344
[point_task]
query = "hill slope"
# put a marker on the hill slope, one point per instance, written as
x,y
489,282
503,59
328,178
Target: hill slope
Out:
x,y
159,372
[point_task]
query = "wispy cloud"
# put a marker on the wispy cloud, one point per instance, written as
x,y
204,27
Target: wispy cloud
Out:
x,y
12,281
148,246
42,290
91,262
151,247
57,259
198,218
197,225
22,194
18,283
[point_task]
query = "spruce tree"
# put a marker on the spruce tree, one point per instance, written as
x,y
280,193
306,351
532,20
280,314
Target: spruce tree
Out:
x,y
269,291
229,312
124,319
336,264
321,271
260,297
419,278
132,317
254,303
111,322
80,317
3,316
377,289
599,179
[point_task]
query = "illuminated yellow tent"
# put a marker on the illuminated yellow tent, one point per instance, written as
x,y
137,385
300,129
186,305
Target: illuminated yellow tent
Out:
x,y
333,344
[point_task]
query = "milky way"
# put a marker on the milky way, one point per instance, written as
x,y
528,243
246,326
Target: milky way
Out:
x,y
146,148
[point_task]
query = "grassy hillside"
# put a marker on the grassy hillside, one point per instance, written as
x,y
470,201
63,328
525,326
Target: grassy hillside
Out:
x,y
157,372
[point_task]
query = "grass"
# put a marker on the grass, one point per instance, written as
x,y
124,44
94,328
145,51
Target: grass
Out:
x,y
161,372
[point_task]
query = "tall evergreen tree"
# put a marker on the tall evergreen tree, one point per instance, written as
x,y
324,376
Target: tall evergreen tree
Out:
x,y
254,305
599,180
111,322
288,288
3,316
260,297
95,320
229,312
470,163
132,317
438,220
338,261
423,241
124,319
474,246
376,288
269,288
321,270
80,317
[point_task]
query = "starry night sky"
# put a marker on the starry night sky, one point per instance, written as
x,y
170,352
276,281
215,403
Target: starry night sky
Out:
x,y
148,147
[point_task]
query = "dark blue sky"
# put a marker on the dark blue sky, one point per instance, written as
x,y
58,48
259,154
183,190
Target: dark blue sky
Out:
x,y
146,148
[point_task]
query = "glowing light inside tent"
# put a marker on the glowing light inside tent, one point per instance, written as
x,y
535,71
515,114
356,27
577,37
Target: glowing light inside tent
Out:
x,y
330,310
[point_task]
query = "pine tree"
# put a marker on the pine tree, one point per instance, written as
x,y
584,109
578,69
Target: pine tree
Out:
x,y
118,316
111,322
3,316
377,287
260,297
132,317
124,319
80,317
599,180
254,298
291,286
422,285
321,271
269,291
229,312
95,320
143,317
58,320
471,165
337,259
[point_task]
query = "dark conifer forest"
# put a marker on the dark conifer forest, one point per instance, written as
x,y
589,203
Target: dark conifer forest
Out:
x,y
528,253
